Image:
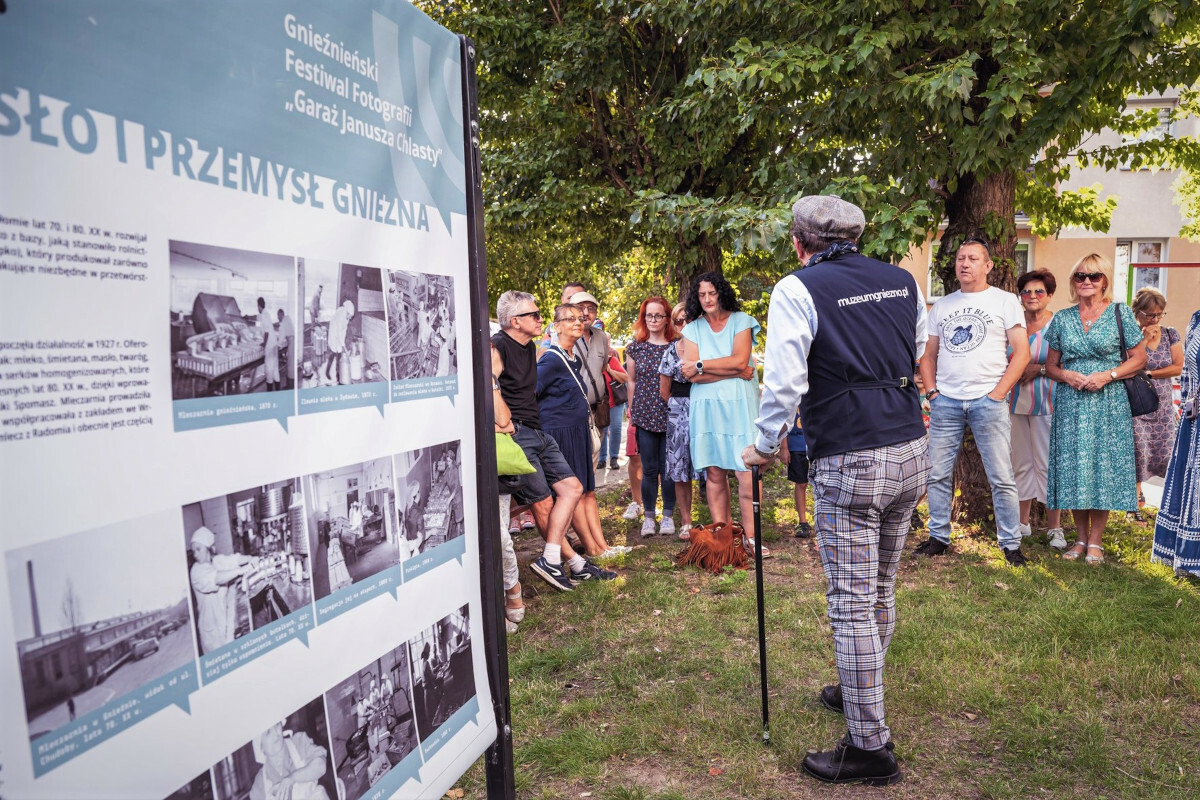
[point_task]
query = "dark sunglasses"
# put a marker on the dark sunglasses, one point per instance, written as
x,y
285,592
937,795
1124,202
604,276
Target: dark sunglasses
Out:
x,y
978,241
1094,277
1038,292
534,314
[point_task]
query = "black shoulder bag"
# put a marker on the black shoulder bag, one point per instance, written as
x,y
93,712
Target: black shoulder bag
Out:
x,y
1142,397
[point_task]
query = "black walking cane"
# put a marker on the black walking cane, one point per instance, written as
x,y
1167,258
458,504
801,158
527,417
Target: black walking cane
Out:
x,y
762,621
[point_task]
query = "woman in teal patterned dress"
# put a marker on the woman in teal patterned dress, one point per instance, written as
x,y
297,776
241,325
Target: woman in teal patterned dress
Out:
x,y
1091,436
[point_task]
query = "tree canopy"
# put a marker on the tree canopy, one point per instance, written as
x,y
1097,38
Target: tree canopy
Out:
x,y
687,129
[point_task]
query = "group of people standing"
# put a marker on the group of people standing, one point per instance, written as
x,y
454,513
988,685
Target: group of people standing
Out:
x,y
1043,396
1041,393
693,402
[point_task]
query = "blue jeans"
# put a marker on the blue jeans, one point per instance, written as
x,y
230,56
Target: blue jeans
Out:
x,y
991,427
610,437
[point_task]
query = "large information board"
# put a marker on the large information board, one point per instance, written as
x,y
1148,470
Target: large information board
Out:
x,y
238,470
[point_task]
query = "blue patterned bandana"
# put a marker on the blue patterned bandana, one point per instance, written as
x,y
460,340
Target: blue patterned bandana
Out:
x,y
833,251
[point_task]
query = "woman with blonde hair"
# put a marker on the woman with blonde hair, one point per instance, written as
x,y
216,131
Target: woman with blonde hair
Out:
x,y
1154,433
1091,432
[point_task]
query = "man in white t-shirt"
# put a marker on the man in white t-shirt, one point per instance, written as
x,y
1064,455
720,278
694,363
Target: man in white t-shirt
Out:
x,y
968,376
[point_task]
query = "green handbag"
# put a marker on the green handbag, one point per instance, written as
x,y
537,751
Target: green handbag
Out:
x,y
510,458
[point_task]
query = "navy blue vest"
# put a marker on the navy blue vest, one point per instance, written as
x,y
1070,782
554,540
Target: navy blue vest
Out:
x,y
861,364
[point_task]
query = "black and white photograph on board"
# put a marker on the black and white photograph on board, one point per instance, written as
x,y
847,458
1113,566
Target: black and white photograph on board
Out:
x,y
198,788
288,761
92,622
421,325
345,335
429,497
352,525
371,722
443,672
248,560
232,324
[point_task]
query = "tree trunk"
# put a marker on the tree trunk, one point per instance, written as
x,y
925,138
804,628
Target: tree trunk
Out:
x,y
694,258
984,208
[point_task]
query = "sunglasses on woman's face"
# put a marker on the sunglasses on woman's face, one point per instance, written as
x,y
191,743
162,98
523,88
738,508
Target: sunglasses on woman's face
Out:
x,y
1031,292
681,321
1094,277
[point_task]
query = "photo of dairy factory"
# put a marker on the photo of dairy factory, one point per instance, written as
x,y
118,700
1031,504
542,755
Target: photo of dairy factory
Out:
x,y
443,672
421,325
91,622
232,321
371,722
352,524
429,497
344,335
248,560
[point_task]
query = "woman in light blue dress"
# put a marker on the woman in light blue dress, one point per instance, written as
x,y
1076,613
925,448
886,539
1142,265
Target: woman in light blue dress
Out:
x,y
718,361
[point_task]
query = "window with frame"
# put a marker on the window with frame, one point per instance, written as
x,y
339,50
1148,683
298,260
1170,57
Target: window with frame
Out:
x,y
1159,131
1133,251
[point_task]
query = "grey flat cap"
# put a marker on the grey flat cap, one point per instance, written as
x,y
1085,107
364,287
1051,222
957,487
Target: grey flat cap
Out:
x,y
828,216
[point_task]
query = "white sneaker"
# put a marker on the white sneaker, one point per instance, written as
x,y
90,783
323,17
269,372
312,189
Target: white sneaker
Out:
x,y
667,528
618,550
1025,530
648,527
633,512
1057,540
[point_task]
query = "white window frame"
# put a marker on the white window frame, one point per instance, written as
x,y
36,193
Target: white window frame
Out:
x,y
1125,285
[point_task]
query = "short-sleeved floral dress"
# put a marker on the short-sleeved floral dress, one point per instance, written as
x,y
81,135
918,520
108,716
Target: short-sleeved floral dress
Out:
x,y
1091,435
1154,433
679,453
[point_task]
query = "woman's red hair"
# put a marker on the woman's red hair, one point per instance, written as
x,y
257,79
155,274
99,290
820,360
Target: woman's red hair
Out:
x,y
639,325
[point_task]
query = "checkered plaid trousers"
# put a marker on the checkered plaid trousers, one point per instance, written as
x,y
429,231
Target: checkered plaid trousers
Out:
x,y
863,503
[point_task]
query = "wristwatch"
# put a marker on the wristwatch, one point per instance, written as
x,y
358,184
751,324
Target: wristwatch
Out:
x,y
699,367
1042,371
929,395
1112,373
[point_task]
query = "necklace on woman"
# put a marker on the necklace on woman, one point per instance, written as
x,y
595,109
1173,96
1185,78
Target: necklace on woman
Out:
x,y
1088,323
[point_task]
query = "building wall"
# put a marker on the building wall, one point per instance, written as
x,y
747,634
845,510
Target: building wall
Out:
x,y
1059,255
1146,211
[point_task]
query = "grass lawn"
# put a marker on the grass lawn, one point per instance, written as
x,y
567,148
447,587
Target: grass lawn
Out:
x,y
1055,680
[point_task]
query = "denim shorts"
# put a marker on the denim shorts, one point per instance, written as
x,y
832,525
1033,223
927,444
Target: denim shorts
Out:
x,y
548,462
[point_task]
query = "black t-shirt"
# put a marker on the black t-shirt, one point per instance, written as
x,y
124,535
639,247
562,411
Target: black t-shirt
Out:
x,y
518,382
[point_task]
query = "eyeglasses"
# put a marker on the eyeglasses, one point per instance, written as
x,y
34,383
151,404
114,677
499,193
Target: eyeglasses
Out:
x,y
1028,292
571,320
1155,315
588,310
534,314
1094,277
656,317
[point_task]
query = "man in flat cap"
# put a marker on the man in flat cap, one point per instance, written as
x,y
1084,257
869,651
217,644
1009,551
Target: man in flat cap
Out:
x,y
844,334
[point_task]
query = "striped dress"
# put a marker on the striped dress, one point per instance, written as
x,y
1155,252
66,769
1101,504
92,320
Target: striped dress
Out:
x,y
1177,527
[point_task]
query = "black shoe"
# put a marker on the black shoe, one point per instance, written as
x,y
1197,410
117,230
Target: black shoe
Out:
x,y
1015,557
553,574
804,531
612,465
591,572
1138,516
931,547
846,763
831,698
